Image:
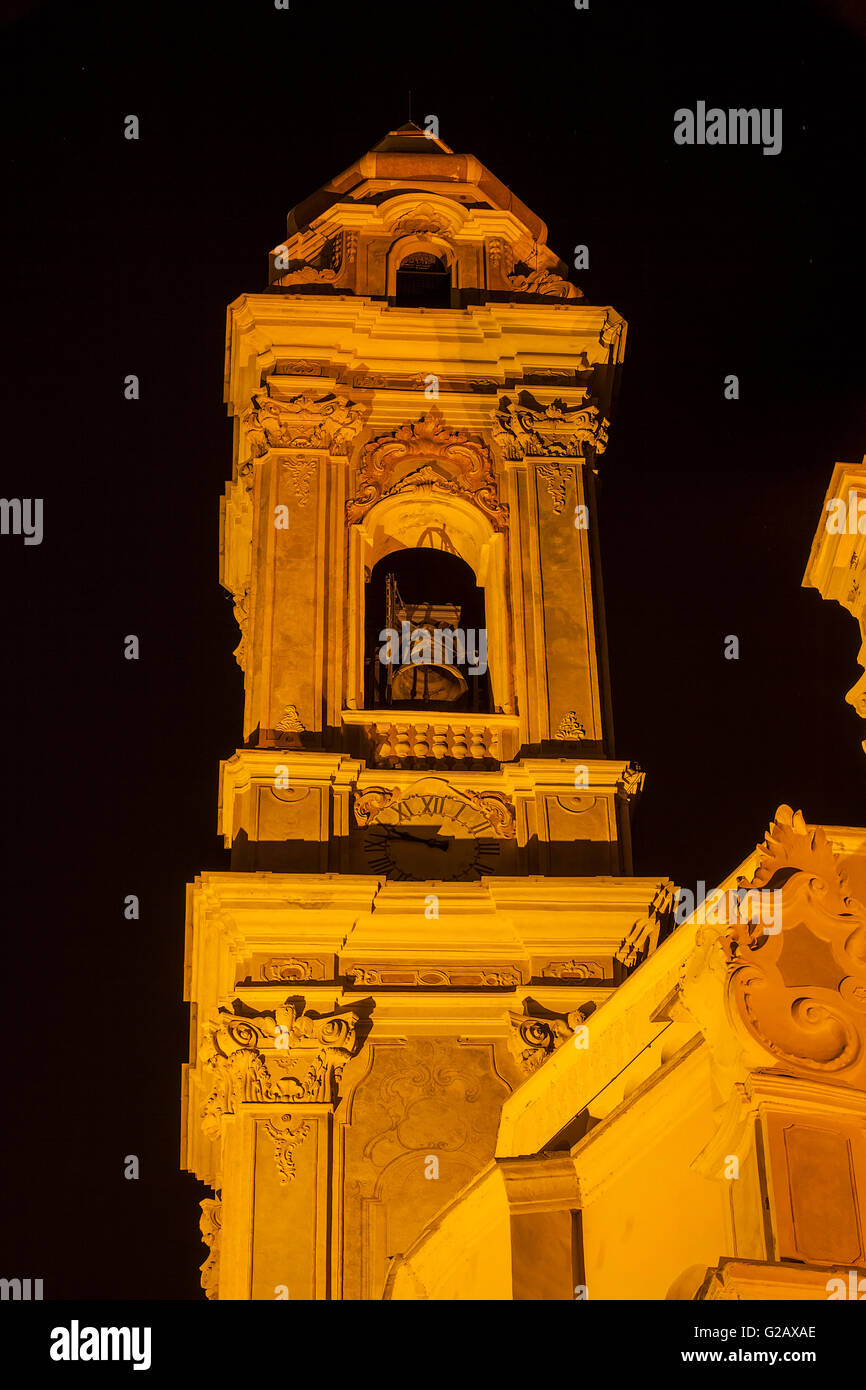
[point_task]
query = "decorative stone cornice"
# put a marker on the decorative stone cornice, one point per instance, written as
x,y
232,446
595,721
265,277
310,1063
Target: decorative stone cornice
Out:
x,y
526,428
468,468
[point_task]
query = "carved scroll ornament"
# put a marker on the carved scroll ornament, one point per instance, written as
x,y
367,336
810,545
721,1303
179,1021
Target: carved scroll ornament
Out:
x,y
210,1225
290,1056
535,1036
468,462
305,421
796,957
525,428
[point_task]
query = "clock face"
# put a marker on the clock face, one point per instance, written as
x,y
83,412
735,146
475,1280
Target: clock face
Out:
x,y
433,836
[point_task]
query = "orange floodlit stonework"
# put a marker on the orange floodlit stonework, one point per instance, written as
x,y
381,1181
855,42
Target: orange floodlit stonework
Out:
x,y
444,1044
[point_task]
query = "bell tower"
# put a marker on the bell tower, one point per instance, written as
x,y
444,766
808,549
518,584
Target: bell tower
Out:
x,y
430,883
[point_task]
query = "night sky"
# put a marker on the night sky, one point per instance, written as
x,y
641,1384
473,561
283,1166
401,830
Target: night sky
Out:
x,y
120,257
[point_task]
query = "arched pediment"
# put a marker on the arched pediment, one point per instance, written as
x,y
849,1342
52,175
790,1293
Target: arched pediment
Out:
x,y
447,463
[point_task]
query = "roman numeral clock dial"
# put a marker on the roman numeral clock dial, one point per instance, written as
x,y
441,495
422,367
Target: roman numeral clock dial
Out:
x,y
431,837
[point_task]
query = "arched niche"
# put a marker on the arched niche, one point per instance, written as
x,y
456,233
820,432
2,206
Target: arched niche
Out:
x,y
419,518
418,244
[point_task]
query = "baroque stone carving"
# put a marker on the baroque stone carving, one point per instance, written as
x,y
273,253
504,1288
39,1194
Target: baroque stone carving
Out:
x,y
649,931
536,1033
557,483
574,970
290,1056
290,723
371,802
364,381
300,470
422,218
493,805
210,1225
570,727
324,268
526,281
631,782
300,367
304,421
241,599
814,1028
288,968
431,977
507,272
526,428
286,1140
498,810
430,439
611,331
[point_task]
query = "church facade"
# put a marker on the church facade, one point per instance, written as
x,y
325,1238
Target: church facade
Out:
x,y
444,1043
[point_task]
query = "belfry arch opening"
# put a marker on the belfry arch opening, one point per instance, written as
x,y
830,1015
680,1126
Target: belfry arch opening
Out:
x,y
425,634
423,281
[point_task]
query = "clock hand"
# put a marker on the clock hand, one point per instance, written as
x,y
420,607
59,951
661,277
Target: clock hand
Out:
x,y
436,843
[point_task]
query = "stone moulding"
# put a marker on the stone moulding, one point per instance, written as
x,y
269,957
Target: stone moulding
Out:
x,y
428,439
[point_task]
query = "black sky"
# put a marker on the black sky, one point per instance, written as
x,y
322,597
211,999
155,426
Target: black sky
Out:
x,y
121,257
